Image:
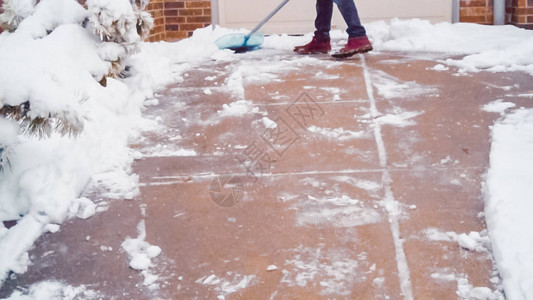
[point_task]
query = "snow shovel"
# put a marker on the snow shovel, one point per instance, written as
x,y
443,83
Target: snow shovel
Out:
x,y
253,40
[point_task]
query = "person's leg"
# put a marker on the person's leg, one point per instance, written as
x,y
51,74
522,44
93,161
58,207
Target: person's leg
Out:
x,y
351,17
324,12
357,40
321,41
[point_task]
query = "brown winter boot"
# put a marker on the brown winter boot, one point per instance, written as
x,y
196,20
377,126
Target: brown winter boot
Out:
x,y
315,46
355,45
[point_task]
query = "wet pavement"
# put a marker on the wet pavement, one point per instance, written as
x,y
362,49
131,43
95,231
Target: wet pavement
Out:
x,y
332,179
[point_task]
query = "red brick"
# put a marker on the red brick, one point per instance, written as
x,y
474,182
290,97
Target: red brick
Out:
x,y
173,35
473,3
207,12
157,14
158,29
174,5
172,27
175,20
198,4
472,19
190,12
198,19
476,11
171,12
190,27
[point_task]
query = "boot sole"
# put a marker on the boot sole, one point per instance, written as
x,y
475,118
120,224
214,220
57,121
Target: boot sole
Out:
x,y
352,52
313,52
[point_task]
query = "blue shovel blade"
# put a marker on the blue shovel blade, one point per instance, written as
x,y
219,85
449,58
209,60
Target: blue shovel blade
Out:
x,y
238,42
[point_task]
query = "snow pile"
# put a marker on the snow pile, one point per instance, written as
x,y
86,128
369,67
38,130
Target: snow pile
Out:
x,y
498,48
509,204
473,241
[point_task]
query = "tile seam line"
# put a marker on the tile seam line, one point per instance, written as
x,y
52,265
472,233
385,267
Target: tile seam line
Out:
x,y
306,173
390,204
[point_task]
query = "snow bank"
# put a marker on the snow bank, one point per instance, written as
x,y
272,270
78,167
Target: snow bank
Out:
x,y
509,202
498,48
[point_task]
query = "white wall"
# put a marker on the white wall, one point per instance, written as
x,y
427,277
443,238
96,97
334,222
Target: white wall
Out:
x,y
298,15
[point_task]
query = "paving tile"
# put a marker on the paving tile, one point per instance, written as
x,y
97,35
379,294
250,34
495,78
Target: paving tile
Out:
x,y
324,211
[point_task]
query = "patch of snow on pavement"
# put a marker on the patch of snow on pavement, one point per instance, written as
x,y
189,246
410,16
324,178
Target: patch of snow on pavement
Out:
x,y
54,290
335,211
498,106
141,254
371,186
225,286
399,120
238,108
335,269
338,133
391,87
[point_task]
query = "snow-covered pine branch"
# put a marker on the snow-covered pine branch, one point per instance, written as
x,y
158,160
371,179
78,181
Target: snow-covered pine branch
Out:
x,y
121,22
14,12
40,94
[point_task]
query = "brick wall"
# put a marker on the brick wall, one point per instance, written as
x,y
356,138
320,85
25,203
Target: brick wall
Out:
x,y
520,13
182,17
177,19
156,8
517,12
476,11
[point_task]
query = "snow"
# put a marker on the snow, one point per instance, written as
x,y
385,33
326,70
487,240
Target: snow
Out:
x,y
224,285
338,133
399,120
272,268
238,108
334,269
498,106
485,47
269,123
466,241
82,208
473,241
49,176
340,212
47,290
141,254
508,201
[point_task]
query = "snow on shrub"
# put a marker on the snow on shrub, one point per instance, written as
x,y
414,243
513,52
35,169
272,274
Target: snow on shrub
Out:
x,y
62,130
118,22
14,12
